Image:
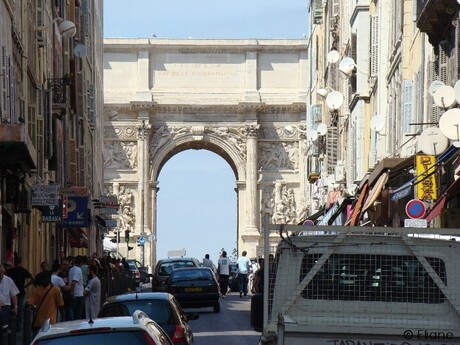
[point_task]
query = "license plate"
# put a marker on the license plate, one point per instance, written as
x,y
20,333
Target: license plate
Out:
x,y
193,289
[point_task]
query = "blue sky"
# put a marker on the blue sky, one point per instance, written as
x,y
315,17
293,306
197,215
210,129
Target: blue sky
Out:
x,y
197,205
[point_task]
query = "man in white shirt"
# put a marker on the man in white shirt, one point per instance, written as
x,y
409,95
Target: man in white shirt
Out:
x,y
223,269
243,270
92,294
8,295
76,285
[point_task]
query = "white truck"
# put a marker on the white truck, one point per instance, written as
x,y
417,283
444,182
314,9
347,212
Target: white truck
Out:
x,y
363,286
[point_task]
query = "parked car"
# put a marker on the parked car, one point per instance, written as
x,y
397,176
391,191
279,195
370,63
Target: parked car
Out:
x,y
133,330
161,307
194,287
135,272
143,270
164,267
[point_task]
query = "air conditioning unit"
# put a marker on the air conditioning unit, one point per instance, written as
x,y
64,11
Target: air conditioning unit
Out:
x,y
340,172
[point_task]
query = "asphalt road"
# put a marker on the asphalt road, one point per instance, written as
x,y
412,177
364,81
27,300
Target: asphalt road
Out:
x,y
229,327
232,326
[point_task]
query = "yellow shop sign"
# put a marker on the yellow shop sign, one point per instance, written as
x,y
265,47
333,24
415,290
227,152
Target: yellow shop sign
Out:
x,y
426,177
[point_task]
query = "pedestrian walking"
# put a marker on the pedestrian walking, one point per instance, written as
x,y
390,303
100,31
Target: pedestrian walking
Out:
x,y
8,297
76,284
207,262
92,293
223,269
46,299
243,270
22,278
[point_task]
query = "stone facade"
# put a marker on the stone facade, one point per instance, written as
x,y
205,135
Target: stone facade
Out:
x,y
242,99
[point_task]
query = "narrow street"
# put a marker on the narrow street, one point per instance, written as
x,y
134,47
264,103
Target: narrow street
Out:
x,y
229,327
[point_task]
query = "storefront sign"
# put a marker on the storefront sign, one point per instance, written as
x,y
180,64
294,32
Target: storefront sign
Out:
x,y
45,194
51,214
426,188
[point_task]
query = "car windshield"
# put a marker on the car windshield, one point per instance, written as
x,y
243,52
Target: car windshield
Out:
x,y
157,310
132,337
191,275
166,268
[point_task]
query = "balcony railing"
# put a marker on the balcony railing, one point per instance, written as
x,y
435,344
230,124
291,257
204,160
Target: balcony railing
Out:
x,y
435,18
58,89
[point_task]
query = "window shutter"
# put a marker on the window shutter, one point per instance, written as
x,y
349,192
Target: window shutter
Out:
x,y
332,148
48,117
40,22
73,178
407,105
317,11
374,46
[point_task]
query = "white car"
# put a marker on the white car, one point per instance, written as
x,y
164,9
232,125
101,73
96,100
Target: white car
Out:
x,y
132,330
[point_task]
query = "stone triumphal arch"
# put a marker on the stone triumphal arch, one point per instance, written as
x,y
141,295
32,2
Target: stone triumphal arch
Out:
x,y
242,99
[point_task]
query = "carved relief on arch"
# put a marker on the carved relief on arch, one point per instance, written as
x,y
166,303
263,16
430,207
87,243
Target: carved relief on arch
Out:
x,y
164,134
120,154
278,155
285,209
120,132
283,132
235,136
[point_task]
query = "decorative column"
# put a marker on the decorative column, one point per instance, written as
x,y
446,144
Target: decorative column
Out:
x,y
143,130
251,179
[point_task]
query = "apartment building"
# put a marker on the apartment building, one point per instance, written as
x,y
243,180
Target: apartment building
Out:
x,y
50,132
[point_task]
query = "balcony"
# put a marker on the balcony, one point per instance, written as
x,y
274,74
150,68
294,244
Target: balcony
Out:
x,y
16,148
435,18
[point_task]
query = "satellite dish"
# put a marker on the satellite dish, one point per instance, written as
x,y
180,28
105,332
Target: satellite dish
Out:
x,y
347,65
79,50
334,100
444,96
333,56
312,135
434,86
449,124
322,129
432,141
377,123
352,188
457,91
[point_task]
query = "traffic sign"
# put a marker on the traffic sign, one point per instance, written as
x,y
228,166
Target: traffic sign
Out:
x,y
141,241
415,209
309,222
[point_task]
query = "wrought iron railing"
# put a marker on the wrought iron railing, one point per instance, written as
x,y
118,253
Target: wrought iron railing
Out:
x,y
58,89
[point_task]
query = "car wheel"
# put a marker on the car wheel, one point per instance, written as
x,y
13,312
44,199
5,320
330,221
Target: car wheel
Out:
x,y
216,307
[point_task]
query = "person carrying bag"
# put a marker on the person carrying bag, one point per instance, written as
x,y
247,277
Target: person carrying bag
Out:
x,y
47,298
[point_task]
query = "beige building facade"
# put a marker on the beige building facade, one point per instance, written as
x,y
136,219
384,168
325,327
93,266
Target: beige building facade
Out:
x,y
244,100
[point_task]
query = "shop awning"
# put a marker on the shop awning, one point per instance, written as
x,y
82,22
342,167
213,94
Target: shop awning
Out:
x,y
441,203
78,237
356,213
375,191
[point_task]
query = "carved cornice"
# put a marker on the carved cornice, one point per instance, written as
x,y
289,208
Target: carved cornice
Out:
x,y
241,108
